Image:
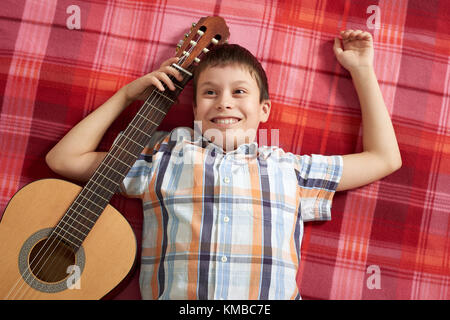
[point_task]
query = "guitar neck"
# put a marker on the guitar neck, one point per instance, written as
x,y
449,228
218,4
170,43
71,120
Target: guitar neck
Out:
x,y
96,194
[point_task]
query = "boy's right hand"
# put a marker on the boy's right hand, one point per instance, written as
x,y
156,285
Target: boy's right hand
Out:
x,y
137,89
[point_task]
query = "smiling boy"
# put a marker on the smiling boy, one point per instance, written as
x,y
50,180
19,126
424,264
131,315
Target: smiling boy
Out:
x,y
229,224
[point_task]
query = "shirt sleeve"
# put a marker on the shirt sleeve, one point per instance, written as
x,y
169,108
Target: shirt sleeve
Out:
x,y
135,182
318,177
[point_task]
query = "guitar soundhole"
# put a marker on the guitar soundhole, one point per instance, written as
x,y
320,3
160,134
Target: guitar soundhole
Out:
x,y
50,259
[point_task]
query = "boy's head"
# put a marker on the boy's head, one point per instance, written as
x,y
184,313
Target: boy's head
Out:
x,y
233,54
231,96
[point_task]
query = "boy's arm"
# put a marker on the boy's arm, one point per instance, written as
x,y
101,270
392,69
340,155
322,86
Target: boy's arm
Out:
x,y
74,156
381,155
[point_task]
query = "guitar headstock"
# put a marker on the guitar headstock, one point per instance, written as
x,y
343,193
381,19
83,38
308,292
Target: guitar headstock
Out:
x,y
207,32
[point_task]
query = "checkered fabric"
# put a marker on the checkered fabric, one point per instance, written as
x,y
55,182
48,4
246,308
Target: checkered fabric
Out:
x,y
387,240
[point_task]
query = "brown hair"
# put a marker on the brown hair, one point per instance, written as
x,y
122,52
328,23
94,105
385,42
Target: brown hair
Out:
x,y
228,54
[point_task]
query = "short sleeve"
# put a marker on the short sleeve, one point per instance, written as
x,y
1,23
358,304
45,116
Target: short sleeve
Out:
x,y
318,177
135,182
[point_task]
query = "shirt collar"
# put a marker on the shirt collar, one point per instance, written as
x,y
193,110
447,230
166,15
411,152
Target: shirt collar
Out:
x,y
243,151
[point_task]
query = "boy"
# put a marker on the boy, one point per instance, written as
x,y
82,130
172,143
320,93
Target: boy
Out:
x,y
223,218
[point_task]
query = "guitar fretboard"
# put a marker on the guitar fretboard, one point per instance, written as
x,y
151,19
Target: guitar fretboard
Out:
x,y
81,216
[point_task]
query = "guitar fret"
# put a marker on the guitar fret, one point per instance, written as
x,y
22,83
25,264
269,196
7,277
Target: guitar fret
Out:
x,y
133,155
72,228
84,215
177,86
128,138
93,201
143,132
123,176
115,182
88,209
148,119
155,124
65,239
148,104
96,194
100,187
126,164
79,222
163,95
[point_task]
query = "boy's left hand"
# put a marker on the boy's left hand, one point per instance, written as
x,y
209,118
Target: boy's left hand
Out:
x,y
357,51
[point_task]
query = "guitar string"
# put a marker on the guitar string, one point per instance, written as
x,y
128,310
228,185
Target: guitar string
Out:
x,y
184,57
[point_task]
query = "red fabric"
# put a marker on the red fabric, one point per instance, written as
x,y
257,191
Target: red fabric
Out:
x,y
51,77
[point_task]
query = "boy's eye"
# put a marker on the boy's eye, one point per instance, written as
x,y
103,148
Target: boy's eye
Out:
x,y
209,92
239,91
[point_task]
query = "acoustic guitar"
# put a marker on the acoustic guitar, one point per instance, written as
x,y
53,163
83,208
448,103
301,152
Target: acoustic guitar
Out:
x,y
61,241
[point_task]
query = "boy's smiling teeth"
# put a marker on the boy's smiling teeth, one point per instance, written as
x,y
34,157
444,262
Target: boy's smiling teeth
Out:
x,y
225,120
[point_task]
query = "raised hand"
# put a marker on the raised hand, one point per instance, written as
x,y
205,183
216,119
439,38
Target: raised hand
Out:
x,y
137,89
357,49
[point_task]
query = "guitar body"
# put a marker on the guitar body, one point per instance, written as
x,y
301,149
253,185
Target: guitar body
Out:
x,y
104,260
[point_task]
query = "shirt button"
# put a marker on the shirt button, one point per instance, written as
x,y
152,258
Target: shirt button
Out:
x,y
226,219
224,259
226,180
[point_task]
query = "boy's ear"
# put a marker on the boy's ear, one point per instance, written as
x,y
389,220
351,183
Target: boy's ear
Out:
x,y
265,110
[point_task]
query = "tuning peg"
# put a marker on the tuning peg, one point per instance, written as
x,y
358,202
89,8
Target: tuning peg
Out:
x,y
214,41
179,45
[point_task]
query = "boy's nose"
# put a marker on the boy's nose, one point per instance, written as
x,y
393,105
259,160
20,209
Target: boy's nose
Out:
x,y
222,106
224,103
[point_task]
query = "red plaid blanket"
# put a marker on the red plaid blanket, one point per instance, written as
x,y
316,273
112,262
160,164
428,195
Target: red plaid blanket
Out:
x,y
59,60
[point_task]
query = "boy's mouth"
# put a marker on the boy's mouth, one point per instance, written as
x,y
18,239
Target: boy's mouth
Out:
x,y
225,120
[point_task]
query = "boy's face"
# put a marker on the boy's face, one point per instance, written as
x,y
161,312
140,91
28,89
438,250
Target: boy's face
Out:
x,y
228,107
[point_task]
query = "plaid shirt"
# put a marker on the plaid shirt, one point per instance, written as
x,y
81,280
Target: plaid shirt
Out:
x,y
225,225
